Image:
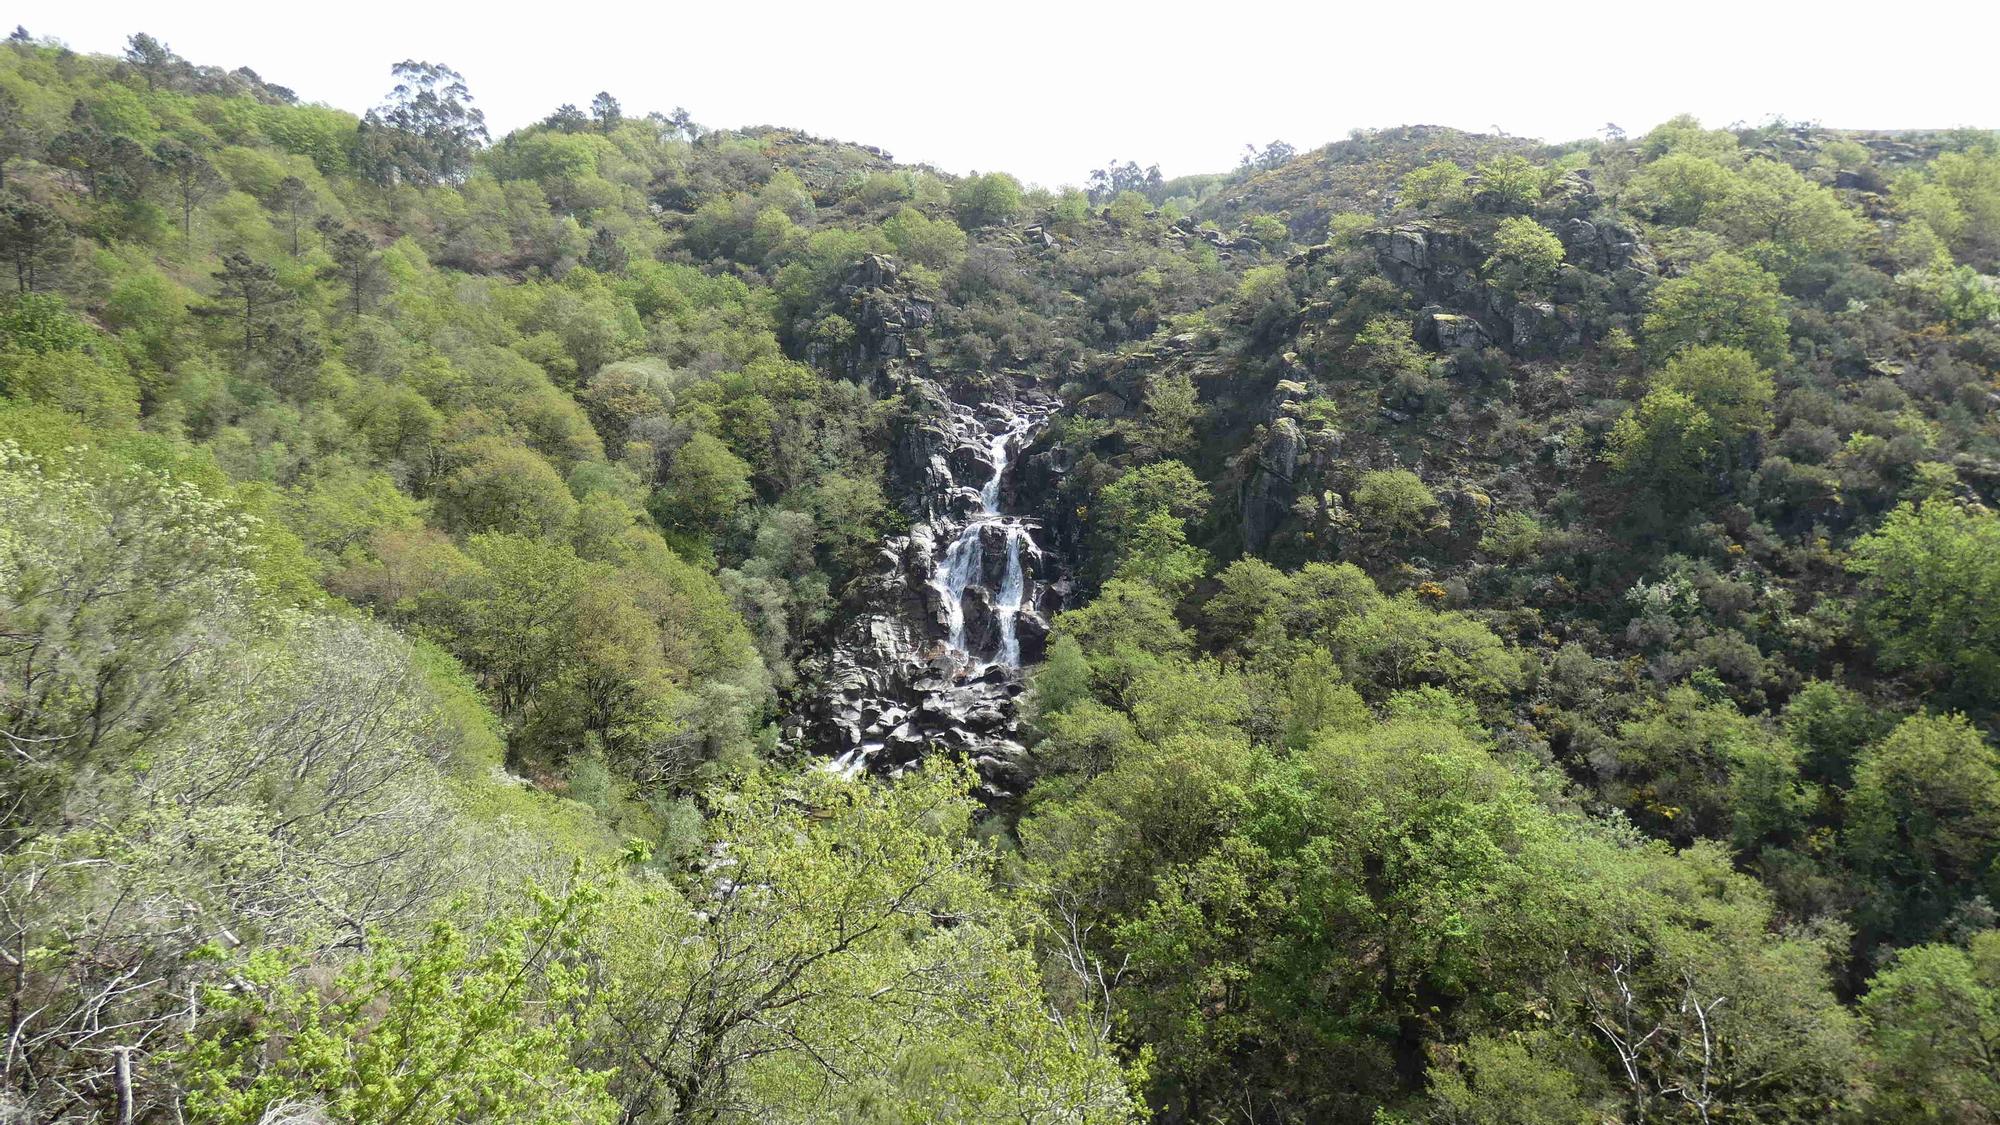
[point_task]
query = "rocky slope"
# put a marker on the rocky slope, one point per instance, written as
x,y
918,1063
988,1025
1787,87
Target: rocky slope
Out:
x,y
932,648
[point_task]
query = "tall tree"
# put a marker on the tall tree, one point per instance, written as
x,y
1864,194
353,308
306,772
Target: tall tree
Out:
x,y
35,239
567,119
191,181
356,264
16,139
249,293
435,127
607,111
112,166
154,60
294,203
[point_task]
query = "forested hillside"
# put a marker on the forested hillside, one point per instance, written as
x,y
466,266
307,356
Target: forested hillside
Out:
x,y
633,622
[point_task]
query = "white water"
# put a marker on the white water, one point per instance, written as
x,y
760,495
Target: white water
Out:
x,y
963,563
956,573
1007,606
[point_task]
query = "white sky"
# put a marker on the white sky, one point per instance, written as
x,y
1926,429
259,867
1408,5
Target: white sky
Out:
x,y
1050,90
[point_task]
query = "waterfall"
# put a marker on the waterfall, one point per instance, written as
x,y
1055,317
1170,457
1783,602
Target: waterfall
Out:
x,y
1007,606
989,493
962,567
958,572
928,651
931,658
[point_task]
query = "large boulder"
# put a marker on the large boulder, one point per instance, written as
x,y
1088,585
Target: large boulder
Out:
x,y
1269,490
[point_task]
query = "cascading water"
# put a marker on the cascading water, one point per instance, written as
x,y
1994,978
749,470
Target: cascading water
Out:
x,y
928,654
962,568
1007,605
932,662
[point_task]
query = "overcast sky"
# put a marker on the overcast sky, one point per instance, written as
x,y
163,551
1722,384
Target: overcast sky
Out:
x,y
1049,91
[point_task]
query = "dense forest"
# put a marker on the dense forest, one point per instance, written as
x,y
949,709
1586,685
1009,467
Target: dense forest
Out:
x,y
1511,631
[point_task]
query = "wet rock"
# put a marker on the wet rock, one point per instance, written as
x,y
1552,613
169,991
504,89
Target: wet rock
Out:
x,y
1269,490
934,644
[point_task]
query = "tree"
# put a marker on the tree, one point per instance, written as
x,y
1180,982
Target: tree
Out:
x,y
503,486
190,178
1437,184
986,200
1934,1021
113,166
1274,155
1831,724
249,293
1115,179
1525,256
1512,181
295,204
1923,825
1142,517
1172,408
1930,596
35,240
704,485
1690,768
1725,300
1680,188
1664,447
937,244
567,119
17,139
1785,218
1727,384
852,957
155,61
429,1034
606,110
434,129
356,264
103,588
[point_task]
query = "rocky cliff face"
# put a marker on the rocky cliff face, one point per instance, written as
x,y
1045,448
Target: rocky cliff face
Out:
x,y
931,651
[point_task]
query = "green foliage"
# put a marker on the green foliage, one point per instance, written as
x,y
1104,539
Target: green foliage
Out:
x,y
591,413
437,1033
1394,501
1779,217
1664,446
938,244
703,486
1681,188
1727,384
502,486
1726,301
1699,769
986,200
1440,183
1924,824
1931,596
815,975
1142,518
1512,181
1526,255
1934,1017
1515,537
1172,409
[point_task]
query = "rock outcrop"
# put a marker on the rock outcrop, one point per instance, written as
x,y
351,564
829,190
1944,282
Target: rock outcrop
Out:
x,y
933,644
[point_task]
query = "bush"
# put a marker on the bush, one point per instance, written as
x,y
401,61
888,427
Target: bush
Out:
x,y
1395,501
1439,183
1525,257
988,200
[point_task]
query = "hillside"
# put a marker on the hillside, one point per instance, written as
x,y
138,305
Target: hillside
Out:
x,y
629,621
